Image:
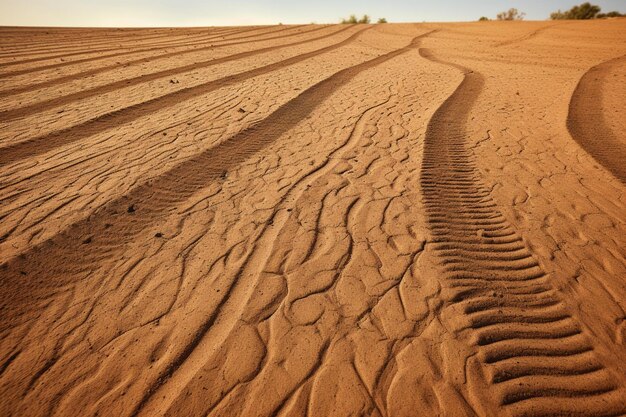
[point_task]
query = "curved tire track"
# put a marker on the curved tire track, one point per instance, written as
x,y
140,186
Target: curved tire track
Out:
x,y
42,144
63,258
127,50
586,120
148,59
528,36
533,352
129,82
100,70
26,40
107,46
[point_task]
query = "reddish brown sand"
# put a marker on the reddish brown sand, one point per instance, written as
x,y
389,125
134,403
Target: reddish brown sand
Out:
x,y
388,220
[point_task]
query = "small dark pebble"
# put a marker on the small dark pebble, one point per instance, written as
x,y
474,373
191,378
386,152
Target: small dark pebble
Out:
x,y
23,273
242,110
87,241
158,234
131,208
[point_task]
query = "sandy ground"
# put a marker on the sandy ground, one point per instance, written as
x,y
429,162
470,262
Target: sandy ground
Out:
x,y
388,220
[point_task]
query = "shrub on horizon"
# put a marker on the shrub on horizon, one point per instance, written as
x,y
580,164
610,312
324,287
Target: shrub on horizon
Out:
x,y
483,19
351,20
382,20
511,14
585,11
610,14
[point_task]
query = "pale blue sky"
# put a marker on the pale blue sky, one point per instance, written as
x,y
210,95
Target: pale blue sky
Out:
x,y
242,12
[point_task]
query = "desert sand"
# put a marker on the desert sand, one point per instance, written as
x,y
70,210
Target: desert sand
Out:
x,y
322,220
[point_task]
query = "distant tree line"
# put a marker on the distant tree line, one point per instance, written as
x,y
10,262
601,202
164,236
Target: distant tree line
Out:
x,y
584,11
352,20
581,12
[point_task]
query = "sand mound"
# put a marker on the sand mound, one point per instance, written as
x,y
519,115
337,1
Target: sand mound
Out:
x,y
314,220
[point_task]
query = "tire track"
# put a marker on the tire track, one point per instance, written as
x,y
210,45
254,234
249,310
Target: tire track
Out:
x,y
60,260
152,47
91,40
106,46
239,293
528,36
39,52
42,144
586,120
317,94
129,82
532,350
148,59
100,70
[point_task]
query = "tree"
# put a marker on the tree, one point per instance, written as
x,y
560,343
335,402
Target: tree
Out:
x,y
382,20
511,14
351,20
609,14
365,19
584,11
483,19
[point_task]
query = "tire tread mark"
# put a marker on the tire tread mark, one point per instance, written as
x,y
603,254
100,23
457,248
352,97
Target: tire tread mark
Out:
x,y
112,227
531,345
129,82
107,46
37,146
142,60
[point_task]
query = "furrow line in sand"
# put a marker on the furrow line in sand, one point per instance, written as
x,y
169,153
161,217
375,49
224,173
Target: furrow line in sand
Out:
x,y
149,59
61,259
87,47
235,299
26,39
129,49
587,124
528,36
37,146
100,70
29,39
129,82
534,353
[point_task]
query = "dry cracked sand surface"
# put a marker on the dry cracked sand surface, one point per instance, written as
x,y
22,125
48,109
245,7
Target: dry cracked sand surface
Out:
x,y
389,220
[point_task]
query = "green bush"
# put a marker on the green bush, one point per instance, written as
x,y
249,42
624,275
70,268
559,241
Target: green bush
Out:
x,y
483,19
584,11
609,14
511,14
363,20
351,20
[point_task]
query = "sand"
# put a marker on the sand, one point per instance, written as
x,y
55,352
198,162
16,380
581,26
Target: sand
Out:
x,y
385,220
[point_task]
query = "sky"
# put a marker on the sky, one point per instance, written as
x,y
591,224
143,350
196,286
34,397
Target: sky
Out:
x,y
130,13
